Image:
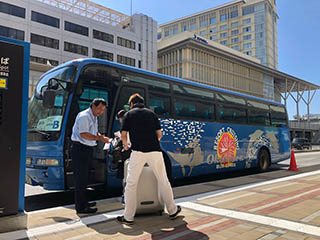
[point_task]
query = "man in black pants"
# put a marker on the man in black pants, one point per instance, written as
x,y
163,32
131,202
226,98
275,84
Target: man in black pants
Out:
x,y
84,137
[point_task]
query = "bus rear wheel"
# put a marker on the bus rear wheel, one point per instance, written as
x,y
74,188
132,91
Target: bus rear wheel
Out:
x,y
263,160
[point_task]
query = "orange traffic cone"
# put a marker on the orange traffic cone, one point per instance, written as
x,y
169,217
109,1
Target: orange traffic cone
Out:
x,y
293,164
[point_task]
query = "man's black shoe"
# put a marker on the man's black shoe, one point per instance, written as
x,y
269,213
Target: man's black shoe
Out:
x,y
92,204
87,210
175,215
121,219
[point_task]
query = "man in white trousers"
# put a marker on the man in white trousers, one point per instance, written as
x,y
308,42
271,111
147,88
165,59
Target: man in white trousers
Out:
x,y
145,132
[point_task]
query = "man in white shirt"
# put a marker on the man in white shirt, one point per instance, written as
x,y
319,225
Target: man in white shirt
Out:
x,y
84,137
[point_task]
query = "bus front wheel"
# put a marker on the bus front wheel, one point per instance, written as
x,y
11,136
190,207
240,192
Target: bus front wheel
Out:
x,y
263,160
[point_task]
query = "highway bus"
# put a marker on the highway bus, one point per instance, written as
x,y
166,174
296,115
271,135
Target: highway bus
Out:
x,y
206,130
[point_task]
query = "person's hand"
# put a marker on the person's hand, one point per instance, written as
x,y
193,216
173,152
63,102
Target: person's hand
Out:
x,y
126,147
103,138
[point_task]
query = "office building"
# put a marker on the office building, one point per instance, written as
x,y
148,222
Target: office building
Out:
x,y
248,26
61,30
192,57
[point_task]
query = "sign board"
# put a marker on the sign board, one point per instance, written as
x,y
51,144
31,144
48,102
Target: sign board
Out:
x,y
14,79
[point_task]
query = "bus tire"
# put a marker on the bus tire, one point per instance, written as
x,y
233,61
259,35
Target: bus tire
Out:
x,y
264,160
168,166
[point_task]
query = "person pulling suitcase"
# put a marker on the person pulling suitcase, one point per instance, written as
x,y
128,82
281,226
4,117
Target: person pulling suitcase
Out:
x,y
145,132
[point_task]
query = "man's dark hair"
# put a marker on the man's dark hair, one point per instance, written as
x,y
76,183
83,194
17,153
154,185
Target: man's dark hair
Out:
x,y
121,113
136,98
97,101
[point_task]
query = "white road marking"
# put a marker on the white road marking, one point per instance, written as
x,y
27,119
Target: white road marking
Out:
x,y
311,217
258,219
283,200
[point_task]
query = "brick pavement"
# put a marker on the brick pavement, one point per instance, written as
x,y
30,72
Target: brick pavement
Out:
x,y
287,208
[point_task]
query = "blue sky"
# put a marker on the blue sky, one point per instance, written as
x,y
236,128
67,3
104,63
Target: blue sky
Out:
x,y
298,35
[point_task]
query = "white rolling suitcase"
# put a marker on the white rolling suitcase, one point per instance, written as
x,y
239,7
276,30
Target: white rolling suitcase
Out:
x,y
148,195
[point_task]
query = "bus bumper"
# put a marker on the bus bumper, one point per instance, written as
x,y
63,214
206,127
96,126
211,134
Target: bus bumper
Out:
x,y
51,178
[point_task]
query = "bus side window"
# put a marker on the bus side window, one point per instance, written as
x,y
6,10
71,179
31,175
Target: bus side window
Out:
x,y
278,116
160,104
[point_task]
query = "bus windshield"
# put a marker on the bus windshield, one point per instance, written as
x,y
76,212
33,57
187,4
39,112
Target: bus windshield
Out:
x,y
44,124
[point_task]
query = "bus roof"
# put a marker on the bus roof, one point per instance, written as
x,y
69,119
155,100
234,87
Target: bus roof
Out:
x,y
85,61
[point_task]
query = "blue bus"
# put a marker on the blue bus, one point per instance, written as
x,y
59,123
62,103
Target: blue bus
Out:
x,y
206,130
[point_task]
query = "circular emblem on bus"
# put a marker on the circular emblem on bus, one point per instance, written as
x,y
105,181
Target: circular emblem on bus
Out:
x,y
226,144
227,147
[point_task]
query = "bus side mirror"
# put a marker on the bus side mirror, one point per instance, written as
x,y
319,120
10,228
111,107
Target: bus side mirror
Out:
x,y
48,98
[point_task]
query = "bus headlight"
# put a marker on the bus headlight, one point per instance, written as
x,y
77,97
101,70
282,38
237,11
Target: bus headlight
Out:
x,y
28,161
47,162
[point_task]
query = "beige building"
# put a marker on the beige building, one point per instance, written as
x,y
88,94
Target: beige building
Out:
x,y
248,26
194,58
61,30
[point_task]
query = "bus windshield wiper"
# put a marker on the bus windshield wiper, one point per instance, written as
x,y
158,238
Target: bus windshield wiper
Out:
x,y
34,130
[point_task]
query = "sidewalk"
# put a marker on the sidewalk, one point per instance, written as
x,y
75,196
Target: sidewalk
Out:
x,y
286,208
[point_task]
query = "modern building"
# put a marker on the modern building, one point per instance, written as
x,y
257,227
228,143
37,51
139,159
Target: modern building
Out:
x,y
306,126
61,30
192,57
248,26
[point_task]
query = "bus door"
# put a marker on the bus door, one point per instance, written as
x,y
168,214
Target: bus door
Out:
x,y
97,171
121,103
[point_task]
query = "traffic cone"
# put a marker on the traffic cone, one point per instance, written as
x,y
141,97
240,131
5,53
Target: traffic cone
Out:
x,y
293,164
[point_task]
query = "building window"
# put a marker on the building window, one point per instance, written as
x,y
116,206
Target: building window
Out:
x,y
249,53
234,32
102,36
203,21
234,12
247,45
213,20
139,64
223,17
223,35
12,10
11,33
224,42
193,25
234,24
184,26
247,29
139,47
247,37
246,21
247,10
75,48
213,37
203,33
75,28
44,41
45,19
213,30
223,27
102,54
126,43
235,40
126,60
44,61
236,47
